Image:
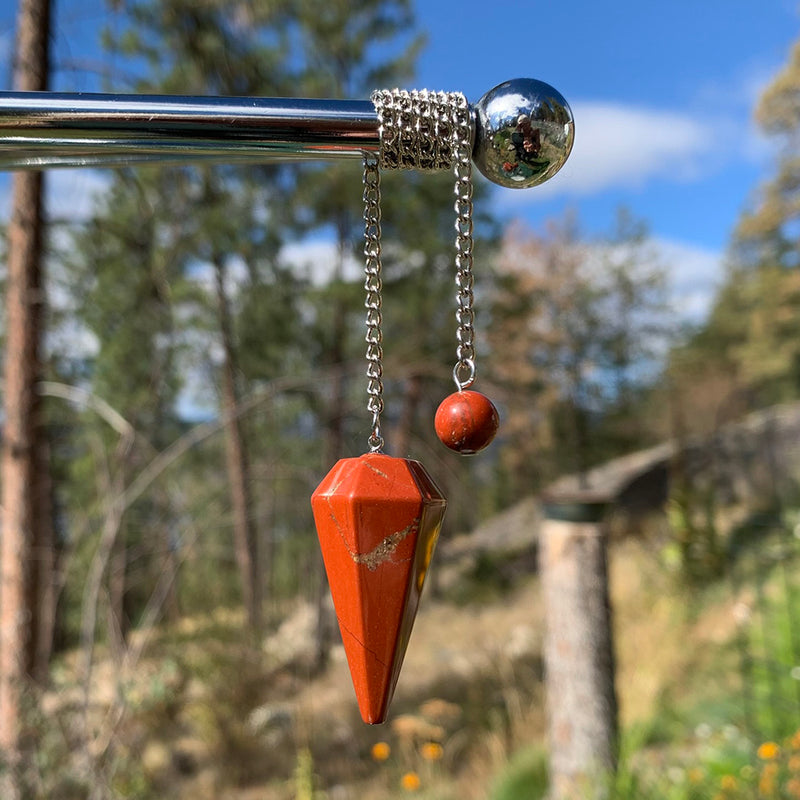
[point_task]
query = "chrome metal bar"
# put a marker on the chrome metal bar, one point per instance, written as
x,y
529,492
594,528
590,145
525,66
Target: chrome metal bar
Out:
x,y
522,130
46,129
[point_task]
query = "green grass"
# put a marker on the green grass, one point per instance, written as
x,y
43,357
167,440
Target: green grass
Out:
x,y
726,726
525,777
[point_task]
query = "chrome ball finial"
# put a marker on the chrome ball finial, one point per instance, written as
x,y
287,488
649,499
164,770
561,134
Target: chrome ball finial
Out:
x,y
524,132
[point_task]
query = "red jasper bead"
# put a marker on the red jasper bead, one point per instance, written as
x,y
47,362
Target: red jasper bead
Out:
x,y
466,421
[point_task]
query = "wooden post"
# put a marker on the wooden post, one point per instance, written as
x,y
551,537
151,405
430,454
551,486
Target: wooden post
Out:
x,y
578,651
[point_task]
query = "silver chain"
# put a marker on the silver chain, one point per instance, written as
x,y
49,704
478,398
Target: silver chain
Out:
x,y
372,286
427,131
464,370
433,131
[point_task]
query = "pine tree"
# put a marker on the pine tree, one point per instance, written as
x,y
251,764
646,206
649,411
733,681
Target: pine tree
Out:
x,y
343,45
124,273
764,234
23,575
575,322
748,352
223,47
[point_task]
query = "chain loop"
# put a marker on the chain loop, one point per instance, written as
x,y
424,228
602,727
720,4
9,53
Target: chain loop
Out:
x,y
373,286
465,370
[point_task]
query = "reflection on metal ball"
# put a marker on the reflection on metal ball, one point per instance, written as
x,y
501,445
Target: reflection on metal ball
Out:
x,y
524,132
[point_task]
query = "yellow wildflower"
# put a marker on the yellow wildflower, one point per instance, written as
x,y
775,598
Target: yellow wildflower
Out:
x,y
432,751
728,782
766,786
793,787
770,769
794,763
795,741
410,781
381,751
768,751
695,775
766,783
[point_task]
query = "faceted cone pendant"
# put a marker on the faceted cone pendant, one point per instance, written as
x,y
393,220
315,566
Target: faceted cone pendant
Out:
x,y
378,520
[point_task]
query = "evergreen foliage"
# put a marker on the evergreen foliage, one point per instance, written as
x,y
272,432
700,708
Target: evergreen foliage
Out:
x,y
576,334
748,352
216,382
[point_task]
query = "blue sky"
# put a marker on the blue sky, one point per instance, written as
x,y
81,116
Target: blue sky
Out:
x,y
663,97
662,94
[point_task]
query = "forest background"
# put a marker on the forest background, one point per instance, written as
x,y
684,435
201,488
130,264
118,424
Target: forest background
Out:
x,y
198,377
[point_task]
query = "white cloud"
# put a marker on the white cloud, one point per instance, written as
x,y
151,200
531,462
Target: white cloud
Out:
x,y
317,260
203,274
71,193
694,274
619,145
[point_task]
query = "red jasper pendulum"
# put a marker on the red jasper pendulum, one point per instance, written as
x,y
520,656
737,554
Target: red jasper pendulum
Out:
x,y
378,520
378,517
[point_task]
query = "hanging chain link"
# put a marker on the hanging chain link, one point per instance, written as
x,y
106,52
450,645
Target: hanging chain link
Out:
x,y
433,131
465,370
427,131
372,286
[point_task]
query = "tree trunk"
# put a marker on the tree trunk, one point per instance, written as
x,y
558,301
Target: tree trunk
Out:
x,y
411,398
172,606
117,580
334,448
20,451
238,467
43,584
578,659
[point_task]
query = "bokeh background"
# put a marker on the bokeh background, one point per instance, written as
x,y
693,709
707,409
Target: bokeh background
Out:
x,y
200,366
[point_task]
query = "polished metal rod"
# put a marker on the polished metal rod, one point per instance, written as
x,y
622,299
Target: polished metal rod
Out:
x,y
42,129
522,130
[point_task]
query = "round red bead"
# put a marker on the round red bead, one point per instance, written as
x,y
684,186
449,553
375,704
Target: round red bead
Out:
x,y
466,422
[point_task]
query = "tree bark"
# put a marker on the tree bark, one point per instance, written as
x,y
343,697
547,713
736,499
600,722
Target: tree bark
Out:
x,y
20,451
117,580
334,447
578,659
411,398
43,592
238,467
